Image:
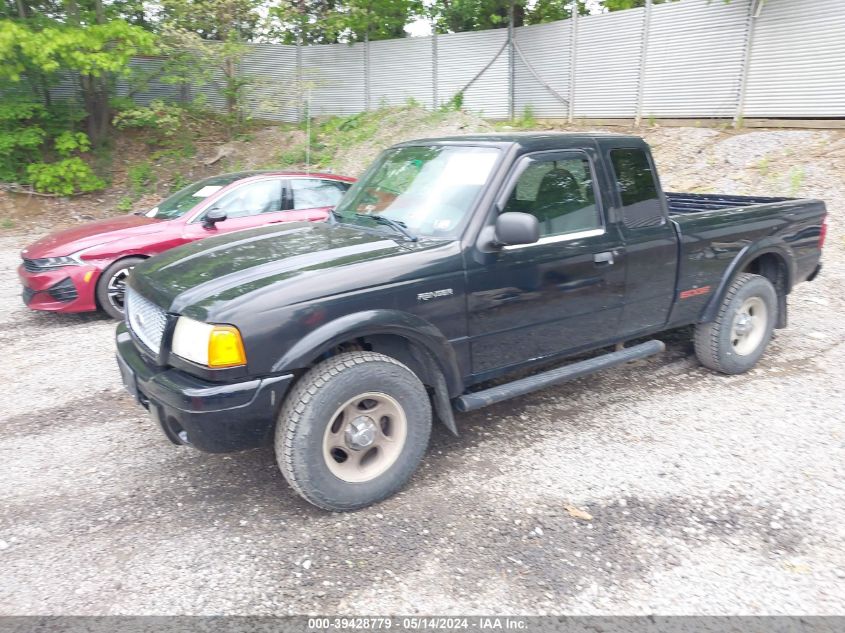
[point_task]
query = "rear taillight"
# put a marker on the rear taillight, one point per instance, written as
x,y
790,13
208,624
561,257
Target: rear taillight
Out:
x,y
823,233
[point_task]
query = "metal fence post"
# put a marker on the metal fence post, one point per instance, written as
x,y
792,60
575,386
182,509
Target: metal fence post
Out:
x,y
573,53
434,95
366,71
300,109
753,13
643,63
511,66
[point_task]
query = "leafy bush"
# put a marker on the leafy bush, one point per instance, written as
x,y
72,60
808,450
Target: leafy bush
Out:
x,y
67,143
161,117
124,205
26,129
21,136
141,177
64,177
456,103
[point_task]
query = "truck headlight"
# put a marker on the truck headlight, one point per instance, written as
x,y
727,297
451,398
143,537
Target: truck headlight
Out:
x,y
208,344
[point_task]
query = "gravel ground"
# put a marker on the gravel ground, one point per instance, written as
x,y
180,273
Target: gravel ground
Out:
x,y
708,494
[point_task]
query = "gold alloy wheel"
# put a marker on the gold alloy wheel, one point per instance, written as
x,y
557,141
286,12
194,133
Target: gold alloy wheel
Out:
x,y
364,437
749,326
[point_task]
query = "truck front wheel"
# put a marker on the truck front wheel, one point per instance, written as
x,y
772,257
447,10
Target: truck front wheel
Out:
x,y
353,430
736,339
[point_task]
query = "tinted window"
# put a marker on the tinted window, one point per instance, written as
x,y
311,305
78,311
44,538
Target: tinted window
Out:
x,y
559,192
264,196
313,193
637,188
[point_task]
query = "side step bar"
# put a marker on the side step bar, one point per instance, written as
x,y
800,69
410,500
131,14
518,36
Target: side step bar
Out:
x,y
472,401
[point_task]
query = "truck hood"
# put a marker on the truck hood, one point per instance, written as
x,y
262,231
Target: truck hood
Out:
x,y
90,234
218,270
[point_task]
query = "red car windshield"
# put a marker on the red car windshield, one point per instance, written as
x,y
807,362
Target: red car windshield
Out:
x,y
186,199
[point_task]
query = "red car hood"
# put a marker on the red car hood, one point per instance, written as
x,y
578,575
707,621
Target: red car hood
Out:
x,y
91,234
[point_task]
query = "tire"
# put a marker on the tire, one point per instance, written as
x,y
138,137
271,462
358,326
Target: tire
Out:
x,y
109,298
324,426
736,339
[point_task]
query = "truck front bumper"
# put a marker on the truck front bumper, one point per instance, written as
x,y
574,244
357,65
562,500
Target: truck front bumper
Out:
x,y
212,417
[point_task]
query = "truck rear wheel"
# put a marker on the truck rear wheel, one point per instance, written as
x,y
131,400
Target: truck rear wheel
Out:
x,y
353,430
736,339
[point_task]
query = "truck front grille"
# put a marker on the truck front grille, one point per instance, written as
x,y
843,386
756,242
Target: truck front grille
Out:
x,y
146,320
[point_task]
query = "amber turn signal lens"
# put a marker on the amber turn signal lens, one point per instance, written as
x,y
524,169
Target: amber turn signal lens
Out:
x,y
225,347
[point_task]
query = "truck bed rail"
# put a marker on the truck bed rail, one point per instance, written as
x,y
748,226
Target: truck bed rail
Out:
x,y
683,203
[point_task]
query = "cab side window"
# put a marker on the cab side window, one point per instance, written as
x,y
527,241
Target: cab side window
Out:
x,y
263,196
559,192
313,193
635,180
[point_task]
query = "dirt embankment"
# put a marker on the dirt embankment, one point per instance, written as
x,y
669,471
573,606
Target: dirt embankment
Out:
x,y
780,162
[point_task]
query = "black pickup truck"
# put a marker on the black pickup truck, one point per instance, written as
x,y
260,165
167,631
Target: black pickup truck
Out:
x,y
450,263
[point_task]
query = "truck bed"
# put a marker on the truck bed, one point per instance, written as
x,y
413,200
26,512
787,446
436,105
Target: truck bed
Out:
x,y
686,203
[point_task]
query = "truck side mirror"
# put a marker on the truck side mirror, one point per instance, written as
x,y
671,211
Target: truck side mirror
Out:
x,y
214,216
514,228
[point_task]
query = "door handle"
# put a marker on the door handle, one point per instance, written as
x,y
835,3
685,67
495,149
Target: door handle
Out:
x,y
603,259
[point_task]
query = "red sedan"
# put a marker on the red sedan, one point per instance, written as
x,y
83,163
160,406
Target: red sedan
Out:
x,y
85,268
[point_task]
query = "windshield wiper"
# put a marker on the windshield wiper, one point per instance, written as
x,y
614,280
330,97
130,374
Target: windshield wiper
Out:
x,y
396,225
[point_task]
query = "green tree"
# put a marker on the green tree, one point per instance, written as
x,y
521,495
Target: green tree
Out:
x,y
333,21
213,20
94,52
455,16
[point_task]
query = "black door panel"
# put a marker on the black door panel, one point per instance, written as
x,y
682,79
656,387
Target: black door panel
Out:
x,y
538,300
649,237
563,292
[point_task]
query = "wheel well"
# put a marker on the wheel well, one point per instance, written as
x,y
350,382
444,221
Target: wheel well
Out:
x,y
407,352
100,278
413,355
773,268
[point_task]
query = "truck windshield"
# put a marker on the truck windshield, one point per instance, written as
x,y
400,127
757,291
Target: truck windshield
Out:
x,y
186,199
427,189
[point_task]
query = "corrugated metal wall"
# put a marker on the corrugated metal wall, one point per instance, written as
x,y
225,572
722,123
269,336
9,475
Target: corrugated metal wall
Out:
x,y
333,74
144,86
546,47
607,64
460,56
694,58
67,88
703,58
273,91
797,65
401,70
212,93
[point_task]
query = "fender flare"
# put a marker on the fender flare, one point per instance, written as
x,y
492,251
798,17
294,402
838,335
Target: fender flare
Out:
x,y
750,252
373,322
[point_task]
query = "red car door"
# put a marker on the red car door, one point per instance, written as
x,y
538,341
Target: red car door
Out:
x,y
269,201
252,204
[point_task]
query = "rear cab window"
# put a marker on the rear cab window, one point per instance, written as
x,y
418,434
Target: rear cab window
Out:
x,y
637,186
